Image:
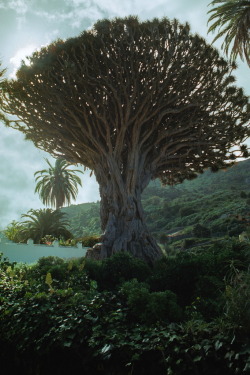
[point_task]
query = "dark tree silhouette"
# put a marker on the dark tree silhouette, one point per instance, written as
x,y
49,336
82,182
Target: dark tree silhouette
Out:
x,y
58,184
133,102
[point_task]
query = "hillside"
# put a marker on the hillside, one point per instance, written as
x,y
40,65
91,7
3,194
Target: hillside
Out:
x,y
219,201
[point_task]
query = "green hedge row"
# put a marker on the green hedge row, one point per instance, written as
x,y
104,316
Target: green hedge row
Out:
x,y
189,314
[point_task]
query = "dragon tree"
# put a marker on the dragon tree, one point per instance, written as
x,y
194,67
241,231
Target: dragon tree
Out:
x,y
132,101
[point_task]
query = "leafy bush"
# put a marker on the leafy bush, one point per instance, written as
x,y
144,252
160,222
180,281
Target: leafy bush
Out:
x,y
121,267
243,194
237,295
64,274
191,348
198,273
89,241
14,232
150,307
137,326
5,263
178,274
113,271
42,222
55,265
186,211
188,242
201,232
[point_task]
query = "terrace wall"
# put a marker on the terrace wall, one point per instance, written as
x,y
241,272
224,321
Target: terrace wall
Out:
x,y
30,252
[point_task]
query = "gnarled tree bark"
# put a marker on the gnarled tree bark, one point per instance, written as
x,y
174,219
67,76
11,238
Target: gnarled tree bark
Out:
x,y
122,215
132,101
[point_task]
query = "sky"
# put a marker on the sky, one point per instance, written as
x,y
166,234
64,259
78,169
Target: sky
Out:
x,y
26,25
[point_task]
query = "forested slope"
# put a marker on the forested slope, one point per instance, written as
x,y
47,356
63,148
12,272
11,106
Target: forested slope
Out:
x,y
219,201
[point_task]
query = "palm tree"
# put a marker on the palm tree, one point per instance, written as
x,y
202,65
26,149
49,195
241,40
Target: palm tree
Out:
x,y
57,185
233,20
44,222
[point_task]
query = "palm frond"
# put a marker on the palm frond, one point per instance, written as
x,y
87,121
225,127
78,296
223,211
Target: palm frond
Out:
x,y
58,184
43,222
232,19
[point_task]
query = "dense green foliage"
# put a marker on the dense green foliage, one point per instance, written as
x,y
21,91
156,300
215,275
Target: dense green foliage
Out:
x,y
84,219
42,222
216,201
13,231
189,314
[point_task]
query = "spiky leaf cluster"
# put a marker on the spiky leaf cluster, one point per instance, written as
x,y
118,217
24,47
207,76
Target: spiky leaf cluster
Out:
x,y
42,222
58,184
146,92
232,20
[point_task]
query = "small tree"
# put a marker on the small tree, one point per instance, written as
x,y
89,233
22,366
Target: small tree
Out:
x,y
133,102
42,222
57,185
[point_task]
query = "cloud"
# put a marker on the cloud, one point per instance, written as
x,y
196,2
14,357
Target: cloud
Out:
x,y
46,15
117,7
19,6
21,55
93,10
17,180
16,175
89,192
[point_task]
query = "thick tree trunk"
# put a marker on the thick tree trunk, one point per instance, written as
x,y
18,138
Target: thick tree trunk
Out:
x,y
123,219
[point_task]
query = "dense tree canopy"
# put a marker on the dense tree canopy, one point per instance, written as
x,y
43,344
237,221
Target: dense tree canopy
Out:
x,y
132,101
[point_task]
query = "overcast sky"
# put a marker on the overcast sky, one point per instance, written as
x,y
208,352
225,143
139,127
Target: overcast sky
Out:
x,y
26,25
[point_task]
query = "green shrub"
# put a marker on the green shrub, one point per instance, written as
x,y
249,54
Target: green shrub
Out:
x,y
5,263
64,274
55,265
14,232
150,307
201,232
121,267
178,274
188,242
243,194
45,263
208,292
89,241
183,273
135,329
186,211
237,295
93,268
